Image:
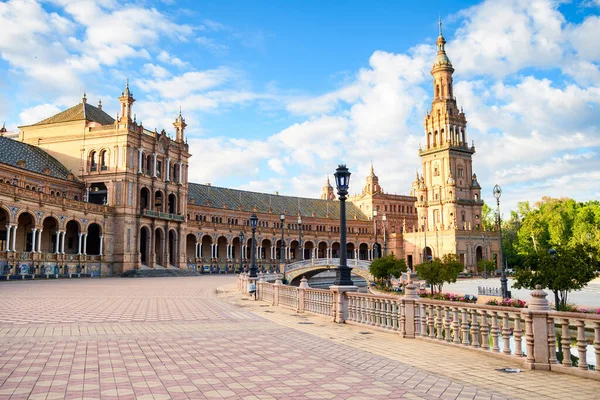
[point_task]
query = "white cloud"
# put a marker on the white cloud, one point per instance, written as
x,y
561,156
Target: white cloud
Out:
x,y
156,71
212,45
187,83
36,114
171,59
277,166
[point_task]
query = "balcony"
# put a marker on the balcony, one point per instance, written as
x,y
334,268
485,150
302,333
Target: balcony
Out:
x,y
161,215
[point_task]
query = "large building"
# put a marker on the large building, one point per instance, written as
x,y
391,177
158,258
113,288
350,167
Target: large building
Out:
x,y
82,191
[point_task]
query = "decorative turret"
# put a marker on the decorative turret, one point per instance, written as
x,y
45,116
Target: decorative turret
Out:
x,y
126,101
327,191
372,185
179,125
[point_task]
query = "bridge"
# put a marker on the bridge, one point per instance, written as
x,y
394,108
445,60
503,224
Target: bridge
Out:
x,y
293,272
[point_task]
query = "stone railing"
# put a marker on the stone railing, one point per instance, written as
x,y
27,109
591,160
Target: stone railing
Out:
x,y
162,215
536,336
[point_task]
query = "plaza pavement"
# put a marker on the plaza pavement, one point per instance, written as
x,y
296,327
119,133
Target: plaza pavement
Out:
x,y
197,338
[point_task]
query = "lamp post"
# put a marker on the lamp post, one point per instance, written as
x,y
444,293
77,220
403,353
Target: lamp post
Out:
x,y
375,252
242,237
503,280
253,224
553,254
342,181
300,252
384,219
282,254
424,218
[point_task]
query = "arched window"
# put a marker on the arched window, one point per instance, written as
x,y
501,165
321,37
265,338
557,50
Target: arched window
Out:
x,y
93,162
103,161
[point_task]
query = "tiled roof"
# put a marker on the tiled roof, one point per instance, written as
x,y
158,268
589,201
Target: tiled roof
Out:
x,y
82,111
233,198
36,159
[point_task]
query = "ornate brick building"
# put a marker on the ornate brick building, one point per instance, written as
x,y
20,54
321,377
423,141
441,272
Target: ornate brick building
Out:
x,y
82,191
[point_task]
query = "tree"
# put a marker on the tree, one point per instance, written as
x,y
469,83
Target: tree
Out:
x,y
437,272
486,266
560,270
384,268
487,218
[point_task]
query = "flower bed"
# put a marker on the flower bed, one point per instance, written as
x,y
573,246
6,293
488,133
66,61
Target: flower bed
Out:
x,y
507,303
574,308
464,298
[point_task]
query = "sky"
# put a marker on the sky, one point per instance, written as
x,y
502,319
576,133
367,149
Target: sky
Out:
x,y
276,94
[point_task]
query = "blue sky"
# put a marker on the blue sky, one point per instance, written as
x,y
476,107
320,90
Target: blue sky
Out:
x,y
276,94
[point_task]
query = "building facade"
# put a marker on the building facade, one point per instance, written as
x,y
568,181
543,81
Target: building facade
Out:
x,y
82,191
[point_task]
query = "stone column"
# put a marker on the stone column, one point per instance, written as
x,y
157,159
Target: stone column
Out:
x,y
57,244
62,247
85,243
168,170
14,238
140,161
340,302
101,244
33,237
79,243
536,327
8,232
39,241
154,165
180,172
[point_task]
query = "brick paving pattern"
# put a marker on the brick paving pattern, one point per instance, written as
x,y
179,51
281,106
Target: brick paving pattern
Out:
x,y
180,338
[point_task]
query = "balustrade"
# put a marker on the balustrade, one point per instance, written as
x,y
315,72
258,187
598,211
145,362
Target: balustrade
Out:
x,y
571,341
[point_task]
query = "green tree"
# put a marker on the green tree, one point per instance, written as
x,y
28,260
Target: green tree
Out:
x,y
560,270
437,272
487,266
384,268
487,218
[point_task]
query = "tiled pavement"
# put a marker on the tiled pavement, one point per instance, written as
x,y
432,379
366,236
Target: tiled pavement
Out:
x,y
178,338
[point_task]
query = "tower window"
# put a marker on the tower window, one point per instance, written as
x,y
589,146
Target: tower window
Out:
x,y
460,172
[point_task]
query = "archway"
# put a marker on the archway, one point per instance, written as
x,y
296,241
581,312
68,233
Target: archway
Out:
x,y
93,239
335,250
144,198
172,204
322,250
4,219
294,255
25,224
159,249
206,243
98,193
308,250
478,254
49,235
190,247
71,237
363,251
144,244
265,250
222,247
428,253
158,201
172,248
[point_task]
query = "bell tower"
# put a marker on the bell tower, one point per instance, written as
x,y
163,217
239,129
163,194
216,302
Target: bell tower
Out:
x,y
327,191
179,125
126,101
448,194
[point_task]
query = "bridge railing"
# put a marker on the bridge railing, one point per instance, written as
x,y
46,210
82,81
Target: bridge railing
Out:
x,y
536,336
316,262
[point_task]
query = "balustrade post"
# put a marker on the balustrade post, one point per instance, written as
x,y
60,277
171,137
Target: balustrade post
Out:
x,y
438,323
581,344
506,333
597,345
474,329
485,330
446,323
455,326
302,293
538,312
340,300
408,317
566,343
465,326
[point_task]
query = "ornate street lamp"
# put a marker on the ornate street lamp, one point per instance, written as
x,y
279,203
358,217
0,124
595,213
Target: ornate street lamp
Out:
x,y
282,254
253,224
300,252
375,252
384,219
342,181
503,280
242,237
